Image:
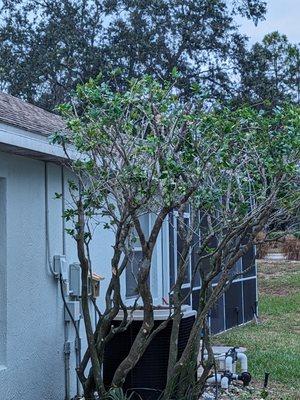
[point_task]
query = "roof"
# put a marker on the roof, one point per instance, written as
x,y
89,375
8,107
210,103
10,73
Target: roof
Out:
x,y
16,112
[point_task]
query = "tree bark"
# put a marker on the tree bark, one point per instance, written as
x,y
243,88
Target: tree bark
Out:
x,y
85,303
141,341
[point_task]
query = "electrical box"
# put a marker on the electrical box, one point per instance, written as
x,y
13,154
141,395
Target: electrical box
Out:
x,y
74,308
60,267
94,284
75,279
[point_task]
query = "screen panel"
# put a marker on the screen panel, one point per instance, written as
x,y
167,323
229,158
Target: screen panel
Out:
x,y
248,261
233,305
185,292
171,250
179,248
249,294
131,274
195,299
217,323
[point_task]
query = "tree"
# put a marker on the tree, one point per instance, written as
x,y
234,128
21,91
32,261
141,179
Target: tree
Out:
x,y
137,146
270,71
47,47
198,38
253,189
146,150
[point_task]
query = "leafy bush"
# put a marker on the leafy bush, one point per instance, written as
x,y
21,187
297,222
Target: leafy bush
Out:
x,y
291,247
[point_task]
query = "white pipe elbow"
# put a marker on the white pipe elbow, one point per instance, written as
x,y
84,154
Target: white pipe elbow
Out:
x,y
224,382
228,363
244,361
214,379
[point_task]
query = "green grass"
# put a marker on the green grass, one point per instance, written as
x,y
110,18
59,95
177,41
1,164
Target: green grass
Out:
x,y
273,345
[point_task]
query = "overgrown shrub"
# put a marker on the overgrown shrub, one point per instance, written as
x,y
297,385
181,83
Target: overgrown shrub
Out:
x,y
268,247
291,247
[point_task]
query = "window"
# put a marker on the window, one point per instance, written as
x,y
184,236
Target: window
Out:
x,y
179,249
3,289
175,252
131,274
135,260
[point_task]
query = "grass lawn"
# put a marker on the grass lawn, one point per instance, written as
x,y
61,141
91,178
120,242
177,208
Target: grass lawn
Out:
x,y
273,345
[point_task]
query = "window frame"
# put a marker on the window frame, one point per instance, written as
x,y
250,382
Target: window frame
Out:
x,y
156,275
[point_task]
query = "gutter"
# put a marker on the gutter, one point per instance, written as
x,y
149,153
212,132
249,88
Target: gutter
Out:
x,y
26,143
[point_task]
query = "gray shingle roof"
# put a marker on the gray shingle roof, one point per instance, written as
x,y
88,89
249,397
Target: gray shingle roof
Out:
x,y
14,111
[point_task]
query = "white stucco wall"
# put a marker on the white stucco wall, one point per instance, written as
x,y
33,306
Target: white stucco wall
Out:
x,y
32,328
32,337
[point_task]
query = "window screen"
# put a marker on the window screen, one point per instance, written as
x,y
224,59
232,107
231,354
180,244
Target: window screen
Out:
x,y
135,259
131,274
187,278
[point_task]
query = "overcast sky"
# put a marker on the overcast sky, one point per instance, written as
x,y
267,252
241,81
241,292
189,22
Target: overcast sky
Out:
x,y
282,16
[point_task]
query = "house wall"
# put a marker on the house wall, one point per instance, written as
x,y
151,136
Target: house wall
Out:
x,y
31,312
32,328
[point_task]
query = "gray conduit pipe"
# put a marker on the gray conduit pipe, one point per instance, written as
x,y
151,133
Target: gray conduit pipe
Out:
x,y
63,209
78,358
76,325
67,354
48,253
67,347
67,344
50,265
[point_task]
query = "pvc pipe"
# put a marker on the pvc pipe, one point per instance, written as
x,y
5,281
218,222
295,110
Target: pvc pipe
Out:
x,y
244,361
214,379
228,363
219,379
224,382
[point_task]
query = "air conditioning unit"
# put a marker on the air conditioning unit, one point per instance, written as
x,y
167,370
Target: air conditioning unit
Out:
x,y
148,377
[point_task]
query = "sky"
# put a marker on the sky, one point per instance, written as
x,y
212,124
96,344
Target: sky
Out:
x,y
282,16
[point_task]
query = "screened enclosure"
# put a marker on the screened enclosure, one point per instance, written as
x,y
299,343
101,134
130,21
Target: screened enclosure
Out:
x,y
238,304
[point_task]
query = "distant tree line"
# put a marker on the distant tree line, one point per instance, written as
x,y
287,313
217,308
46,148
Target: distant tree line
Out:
x,y
48,47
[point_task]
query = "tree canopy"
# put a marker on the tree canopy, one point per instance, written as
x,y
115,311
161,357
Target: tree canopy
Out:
x,y
147,150
47,47
270,72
